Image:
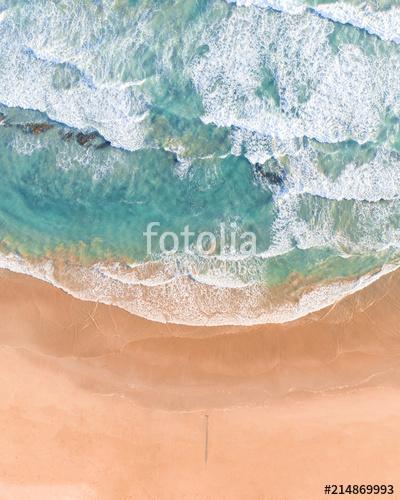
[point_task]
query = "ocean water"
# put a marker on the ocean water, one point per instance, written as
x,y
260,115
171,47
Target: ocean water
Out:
x,y
278,118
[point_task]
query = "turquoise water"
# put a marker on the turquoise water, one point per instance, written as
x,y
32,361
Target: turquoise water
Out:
x,y
277,118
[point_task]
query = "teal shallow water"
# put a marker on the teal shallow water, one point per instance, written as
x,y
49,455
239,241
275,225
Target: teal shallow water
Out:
x,y
282,122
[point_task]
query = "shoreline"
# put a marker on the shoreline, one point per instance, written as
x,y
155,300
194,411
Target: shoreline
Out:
x,y
114,286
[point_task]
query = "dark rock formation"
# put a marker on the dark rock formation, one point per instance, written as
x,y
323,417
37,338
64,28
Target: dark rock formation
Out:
x,y
36,128
67,136
85,139
272,177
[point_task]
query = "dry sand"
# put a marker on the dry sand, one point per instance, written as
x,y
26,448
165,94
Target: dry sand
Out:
x,y
97,403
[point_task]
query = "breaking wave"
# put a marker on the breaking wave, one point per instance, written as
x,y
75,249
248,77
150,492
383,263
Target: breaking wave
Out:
x,y
383,23
182,300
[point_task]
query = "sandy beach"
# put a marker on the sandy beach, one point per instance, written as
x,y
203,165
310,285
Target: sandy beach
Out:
x,y
97,403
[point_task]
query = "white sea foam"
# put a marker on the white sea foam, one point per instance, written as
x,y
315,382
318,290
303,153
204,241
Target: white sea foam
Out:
x,y
26,145
50,61
378,179
70,62
187,301
383,23
289,6
305,222
221,281
328,95
354,213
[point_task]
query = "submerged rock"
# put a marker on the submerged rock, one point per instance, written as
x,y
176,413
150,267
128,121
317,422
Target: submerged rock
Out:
x,y
36,128
67,136
272,177
84,139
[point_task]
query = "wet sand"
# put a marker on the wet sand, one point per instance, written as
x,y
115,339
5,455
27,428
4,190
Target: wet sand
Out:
x,y
97,403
